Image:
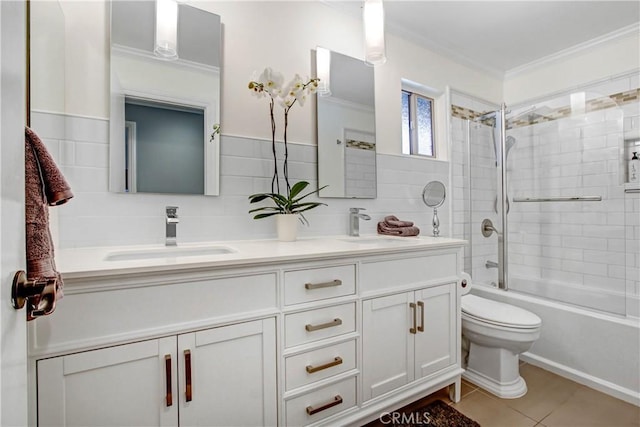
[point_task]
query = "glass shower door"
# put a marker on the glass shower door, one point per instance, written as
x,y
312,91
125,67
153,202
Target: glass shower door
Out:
x,y
566,221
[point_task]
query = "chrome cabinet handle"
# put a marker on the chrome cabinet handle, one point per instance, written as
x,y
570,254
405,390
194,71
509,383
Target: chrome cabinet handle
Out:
x,y
310,286
412,329
421,327
334,322
336,401
335,362
167,369
188,392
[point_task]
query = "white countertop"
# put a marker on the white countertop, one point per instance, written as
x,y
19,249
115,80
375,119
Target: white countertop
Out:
x,y
107,261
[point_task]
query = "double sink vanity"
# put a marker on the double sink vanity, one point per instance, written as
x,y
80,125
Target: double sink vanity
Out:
x,y
323,331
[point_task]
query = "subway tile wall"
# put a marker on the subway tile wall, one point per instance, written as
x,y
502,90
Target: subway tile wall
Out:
x,y
474,187
97,217
584,253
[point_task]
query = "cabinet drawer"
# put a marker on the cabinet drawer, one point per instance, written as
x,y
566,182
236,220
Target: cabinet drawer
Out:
x,y
319,364
313,325
319,283
321,403
409,271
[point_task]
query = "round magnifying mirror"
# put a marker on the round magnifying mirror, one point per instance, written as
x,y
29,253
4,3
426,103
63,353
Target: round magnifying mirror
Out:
x,y
433,196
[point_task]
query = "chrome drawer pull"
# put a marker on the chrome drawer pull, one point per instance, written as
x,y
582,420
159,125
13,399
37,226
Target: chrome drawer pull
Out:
x,y
335,362
334,322
311,286
336,401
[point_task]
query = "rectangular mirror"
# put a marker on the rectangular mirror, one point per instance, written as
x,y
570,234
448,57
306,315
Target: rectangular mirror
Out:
x,y
346,127
163,107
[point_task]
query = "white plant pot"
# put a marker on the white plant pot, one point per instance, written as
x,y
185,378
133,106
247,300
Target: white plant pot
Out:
x,y
287,225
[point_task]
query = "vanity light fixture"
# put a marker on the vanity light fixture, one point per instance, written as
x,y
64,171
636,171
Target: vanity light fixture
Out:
x,y
166,29
373,22
323,66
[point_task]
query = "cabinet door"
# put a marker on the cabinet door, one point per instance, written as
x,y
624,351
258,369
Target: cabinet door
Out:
x,y
387,344
233,375
436,317
127,385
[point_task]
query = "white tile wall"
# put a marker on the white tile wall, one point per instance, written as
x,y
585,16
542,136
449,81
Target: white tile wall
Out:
x,y
585,253
97,217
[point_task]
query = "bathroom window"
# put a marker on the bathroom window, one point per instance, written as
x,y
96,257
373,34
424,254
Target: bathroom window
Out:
x,y
417,124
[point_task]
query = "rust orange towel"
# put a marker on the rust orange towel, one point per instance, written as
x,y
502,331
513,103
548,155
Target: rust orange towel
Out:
x,y
44,186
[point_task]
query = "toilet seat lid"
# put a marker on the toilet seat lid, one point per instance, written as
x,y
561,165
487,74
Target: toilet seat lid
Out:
x,y
499,313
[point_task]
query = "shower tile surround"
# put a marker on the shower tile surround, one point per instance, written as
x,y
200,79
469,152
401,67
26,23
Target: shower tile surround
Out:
x,y
555,249
97,217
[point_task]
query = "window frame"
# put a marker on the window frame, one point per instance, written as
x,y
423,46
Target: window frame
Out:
x,y
414,144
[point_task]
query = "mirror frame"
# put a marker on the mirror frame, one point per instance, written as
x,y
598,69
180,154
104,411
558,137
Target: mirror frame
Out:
x,y
428,187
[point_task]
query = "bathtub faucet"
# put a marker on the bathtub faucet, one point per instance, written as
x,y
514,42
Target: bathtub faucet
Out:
x,y
491,264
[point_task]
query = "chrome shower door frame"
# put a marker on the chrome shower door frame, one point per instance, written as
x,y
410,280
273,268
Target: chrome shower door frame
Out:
x,y
500,131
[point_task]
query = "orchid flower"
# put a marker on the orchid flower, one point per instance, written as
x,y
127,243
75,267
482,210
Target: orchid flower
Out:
x,y
272,83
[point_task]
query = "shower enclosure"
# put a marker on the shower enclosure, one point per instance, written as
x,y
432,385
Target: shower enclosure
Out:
x,y
541,193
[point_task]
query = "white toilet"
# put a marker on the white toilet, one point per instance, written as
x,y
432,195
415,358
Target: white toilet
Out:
x,y
497,334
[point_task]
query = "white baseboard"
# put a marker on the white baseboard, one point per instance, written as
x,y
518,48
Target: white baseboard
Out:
x,y
583,378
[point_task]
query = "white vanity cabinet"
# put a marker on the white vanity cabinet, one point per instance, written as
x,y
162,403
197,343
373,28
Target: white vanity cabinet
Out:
x,y
410,323
219,376
118,386
311,333
407,336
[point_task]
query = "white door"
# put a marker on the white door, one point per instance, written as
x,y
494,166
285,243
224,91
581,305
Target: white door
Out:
x,y
233,375
13,334
387,344
128,385
434,339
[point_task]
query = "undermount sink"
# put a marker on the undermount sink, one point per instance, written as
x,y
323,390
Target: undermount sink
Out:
x,y
373,240
168,252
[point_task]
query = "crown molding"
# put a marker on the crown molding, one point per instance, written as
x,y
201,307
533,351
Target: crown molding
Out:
x,y
628,31
354,10
444,51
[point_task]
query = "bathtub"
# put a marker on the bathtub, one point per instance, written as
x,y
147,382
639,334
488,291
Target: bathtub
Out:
x,y
599,350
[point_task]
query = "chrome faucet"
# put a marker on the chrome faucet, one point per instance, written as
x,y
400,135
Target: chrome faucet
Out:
x,y
171,222
354,220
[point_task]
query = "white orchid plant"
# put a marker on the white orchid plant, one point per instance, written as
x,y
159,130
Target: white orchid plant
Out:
x,y
271,84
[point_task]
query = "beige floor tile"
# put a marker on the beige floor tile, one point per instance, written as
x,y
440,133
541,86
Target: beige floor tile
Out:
x,y
588,407
468,384
466,389
490,412
546,391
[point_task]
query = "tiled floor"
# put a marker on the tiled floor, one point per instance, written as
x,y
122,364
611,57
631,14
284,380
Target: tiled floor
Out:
x,y
552,401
